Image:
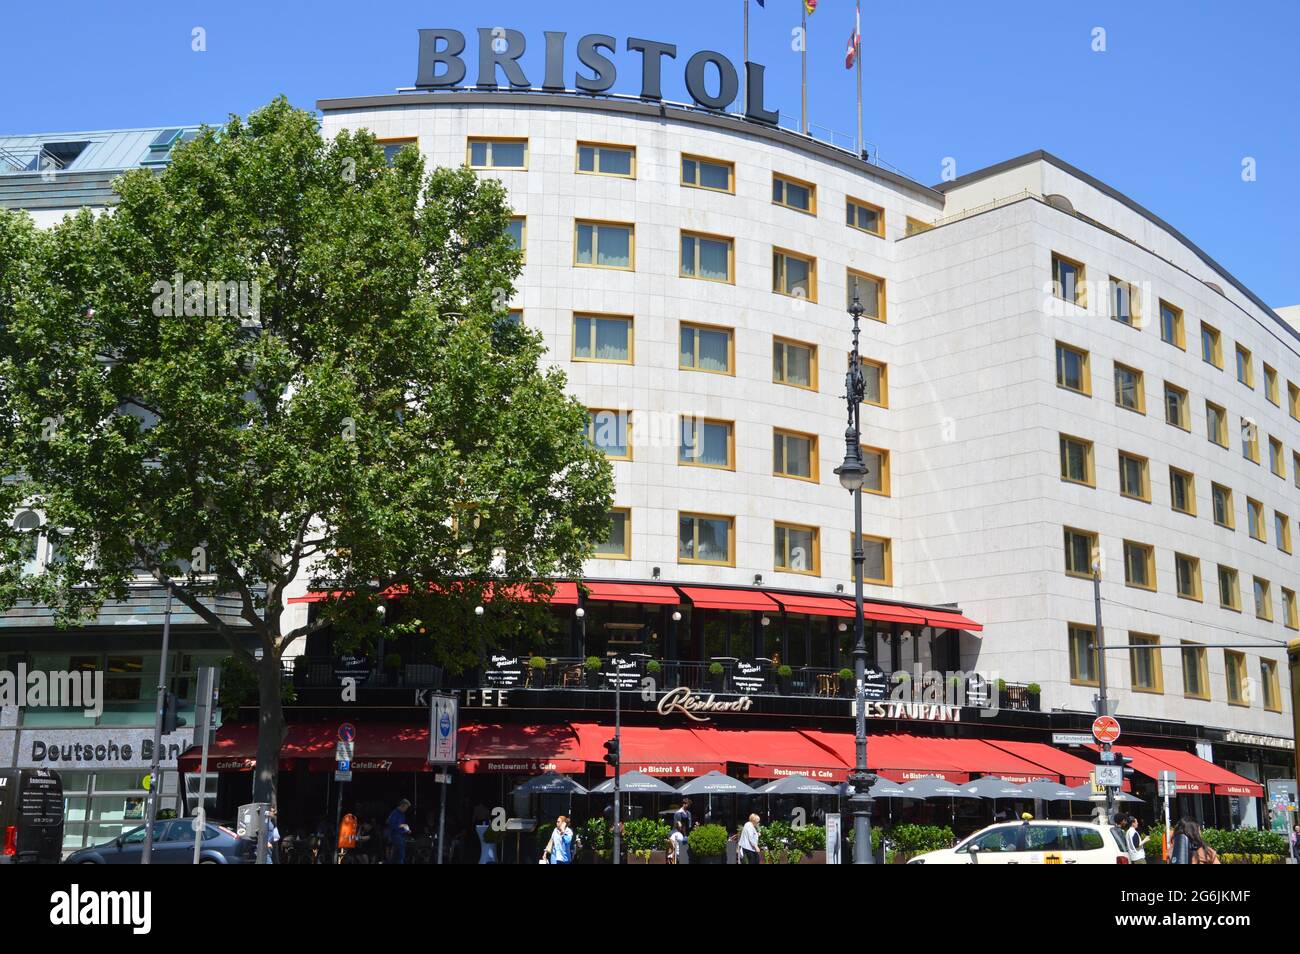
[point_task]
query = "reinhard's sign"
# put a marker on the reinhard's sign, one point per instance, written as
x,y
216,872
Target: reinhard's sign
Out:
x,y
699,708
712,80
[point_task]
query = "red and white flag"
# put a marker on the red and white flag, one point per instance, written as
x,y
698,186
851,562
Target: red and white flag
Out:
x,y
854,50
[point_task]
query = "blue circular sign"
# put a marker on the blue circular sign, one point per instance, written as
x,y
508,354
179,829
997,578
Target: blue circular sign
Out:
x,y
444,725
347,732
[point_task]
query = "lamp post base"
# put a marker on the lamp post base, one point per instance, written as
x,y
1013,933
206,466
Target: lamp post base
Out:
x,y
860,805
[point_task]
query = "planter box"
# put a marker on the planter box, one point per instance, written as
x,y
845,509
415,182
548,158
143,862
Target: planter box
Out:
x,y
656,858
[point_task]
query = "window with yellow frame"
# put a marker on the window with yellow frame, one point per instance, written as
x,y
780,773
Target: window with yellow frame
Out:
x,y
713,175
602,338
794,274
706,442
877,463
794,193
1211,346
598,244
1139,565
1263,599
1290,615
1145,671
706,257
609,430
606,159
796,549
708,348
869,290
1083,654
1234,673
864,216
875,376
484,152
618,544
706,538
794,454
794,363
1270,386
878,564
1196,673
1269,685
1282,531
1068,281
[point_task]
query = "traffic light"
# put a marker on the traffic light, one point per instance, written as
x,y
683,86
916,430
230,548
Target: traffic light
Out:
x,y
171,719
1123,760
611,752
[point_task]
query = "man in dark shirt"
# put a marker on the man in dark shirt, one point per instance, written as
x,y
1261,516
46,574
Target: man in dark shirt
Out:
x,y
684,816
398,831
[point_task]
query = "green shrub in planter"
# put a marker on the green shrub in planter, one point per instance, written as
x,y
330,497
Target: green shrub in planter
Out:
x,y
1001,684
1234,859
653,667
708,841
846,674
393,661
593,664
597,835
644,835
918,839
784,671
715,669
810,838
536,662
1034,689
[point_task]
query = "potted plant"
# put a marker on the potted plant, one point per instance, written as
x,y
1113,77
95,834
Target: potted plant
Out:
x,y
1034,691
653,667
715,676
708,844
1001,685
646,841
592,665
597,841
811,842
783,674
393,667
536,671
846,682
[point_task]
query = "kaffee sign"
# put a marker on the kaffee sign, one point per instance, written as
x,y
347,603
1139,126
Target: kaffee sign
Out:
x,y
712,80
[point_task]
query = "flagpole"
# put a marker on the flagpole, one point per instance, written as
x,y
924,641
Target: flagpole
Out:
x,y
857,42
803,81
744,67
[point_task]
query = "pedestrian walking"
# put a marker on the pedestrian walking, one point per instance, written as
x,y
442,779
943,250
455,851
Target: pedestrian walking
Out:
x,y
683,815
1137,854
678,845
398,832
272,836
559,849
748,844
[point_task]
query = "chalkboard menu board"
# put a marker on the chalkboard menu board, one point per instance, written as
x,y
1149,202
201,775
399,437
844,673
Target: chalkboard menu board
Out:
x,y
875,684
352,667
748,677
504,672
620,672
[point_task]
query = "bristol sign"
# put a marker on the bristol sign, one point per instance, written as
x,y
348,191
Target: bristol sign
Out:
x,y
712,80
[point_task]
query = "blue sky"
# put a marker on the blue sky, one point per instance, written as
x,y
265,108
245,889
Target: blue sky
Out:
x,y
1183,93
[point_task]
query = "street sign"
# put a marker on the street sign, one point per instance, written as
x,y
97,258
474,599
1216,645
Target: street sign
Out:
x,y
1071,738
1166,784
347,732
1110,776
443,723
1108,756
1105,728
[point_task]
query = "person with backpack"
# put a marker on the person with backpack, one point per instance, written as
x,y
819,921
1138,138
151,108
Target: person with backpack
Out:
x,y
560,848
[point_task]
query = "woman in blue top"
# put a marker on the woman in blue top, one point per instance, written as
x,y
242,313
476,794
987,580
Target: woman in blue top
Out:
x,y
559,850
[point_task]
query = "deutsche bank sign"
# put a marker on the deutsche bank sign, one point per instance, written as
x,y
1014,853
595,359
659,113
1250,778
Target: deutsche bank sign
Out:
x,y
711,78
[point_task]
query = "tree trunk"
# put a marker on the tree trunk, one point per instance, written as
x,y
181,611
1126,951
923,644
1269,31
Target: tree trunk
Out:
x,y
270,728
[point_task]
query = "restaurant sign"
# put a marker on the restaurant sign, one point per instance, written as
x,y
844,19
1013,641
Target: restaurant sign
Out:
x,y
916,711
699,708
712,80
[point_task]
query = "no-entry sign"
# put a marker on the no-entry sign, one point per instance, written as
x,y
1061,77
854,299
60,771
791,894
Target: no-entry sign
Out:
x,y
1105,728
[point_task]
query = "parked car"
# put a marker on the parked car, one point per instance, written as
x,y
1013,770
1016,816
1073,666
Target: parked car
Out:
x,y
1035,843
31,816
173,844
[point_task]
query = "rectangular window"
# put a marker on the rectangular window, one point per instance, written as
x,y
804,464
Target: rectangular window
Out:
x,y
796,549
517,229
1269,685
1255,519
794,363
610,432
1216,424
1068,280
1196,677
869,291
1234,671
1128,388
1076,461
1282,531
712,174
877,461
916,226
1263,600
1079,548
1187,569
618,545
1072,369
705,348
1083,654
604,245
1245,367
1171,325
876,377
878,565
1139,565
1249,440
1224,512
498,153
1295,468
1124,303
794,455
708,257
1133,479
1290,616
794,194
1293,400
794,274
1270,386
392,147
1276,458
603,159
1229,591
1178,411
706,538
707,443
1144,664
602,338
1182,491
864,216
1211,346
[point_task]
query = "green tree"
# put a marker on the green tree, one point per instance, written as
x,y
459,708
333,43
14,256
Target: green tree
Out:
x,y
339,395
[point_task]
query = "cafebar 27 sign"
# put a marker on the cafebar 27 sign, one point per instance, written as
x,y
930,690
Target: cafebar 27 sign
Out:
x,y
712,80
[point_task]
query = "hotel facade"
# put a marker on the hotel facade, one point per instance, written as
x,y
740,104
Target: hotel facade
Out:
x,y
1056,377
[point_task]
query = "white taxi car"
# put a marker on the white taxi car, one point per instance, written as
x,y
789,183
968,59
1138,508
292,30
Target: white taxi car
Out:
x,y
1035,843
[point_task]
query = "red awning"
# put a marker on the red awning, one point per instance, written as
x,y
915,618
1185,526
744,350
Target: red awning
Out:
x,y
1073,769
379,747
978,756
724,599
899,758
942,619
1151,765
889,613
776,753
812,605
520,749
566,594
652,593
1195,768
666,753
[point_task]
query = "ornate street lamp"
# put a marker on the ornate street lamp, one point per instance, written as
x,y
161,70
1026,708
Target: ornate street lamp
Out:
x,y
852,474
